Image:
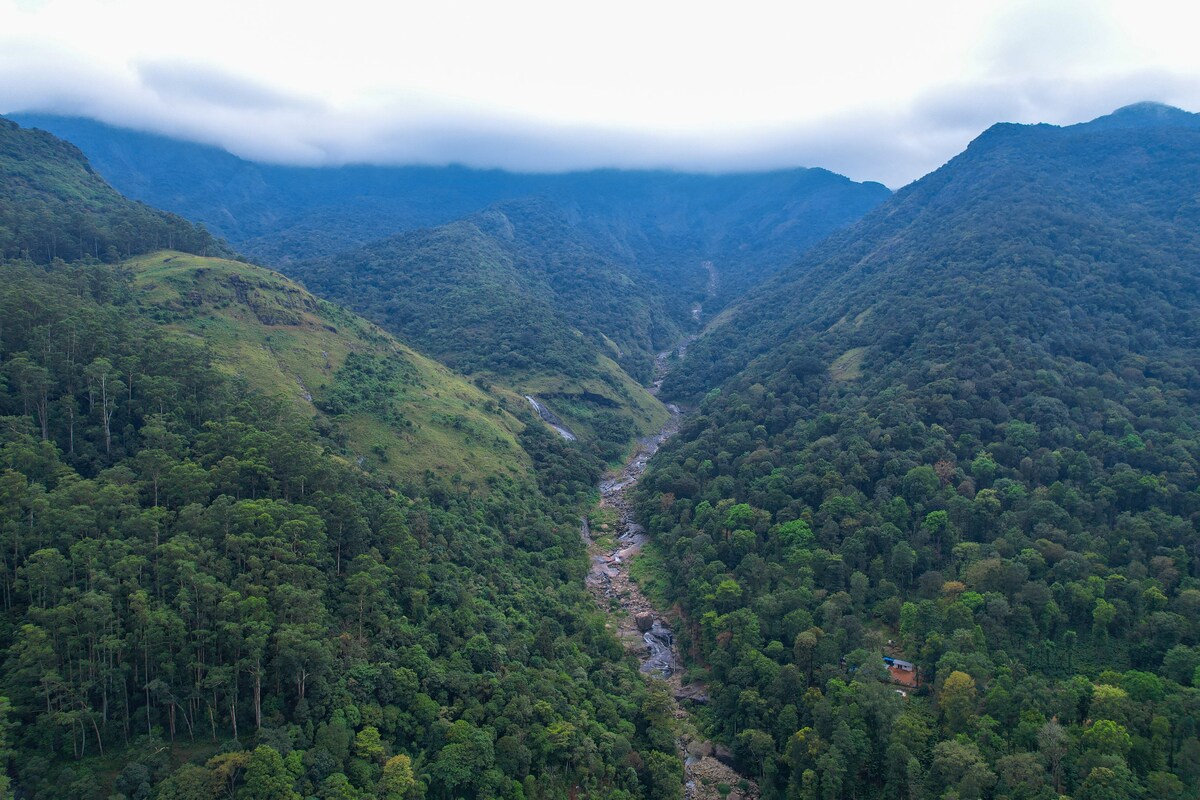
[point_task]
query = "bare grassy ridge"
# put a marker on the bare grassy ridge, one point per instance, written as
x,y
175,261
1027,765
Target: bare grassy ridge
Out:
x,y
289,344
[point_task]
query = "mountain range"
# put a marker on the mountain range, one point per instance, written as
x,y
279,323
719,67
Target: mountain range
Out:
x,y
928,528
748,224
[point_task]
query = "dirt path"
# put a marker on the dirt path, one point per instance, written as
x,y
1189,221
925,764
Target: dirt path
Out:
x,y
644,629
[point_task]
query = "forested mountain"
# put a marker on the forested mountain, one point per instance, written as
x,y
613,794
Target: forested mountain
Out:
x,y
962,433
515,296
662,222
254,547
54,205
1069,192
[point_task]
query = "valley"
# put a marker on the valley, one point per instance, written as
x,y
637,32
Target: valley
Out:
x,y
644,629
620,484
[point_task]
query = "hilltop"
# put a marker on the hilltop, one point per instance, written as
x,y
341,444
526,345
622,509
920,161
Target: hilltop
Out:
x,y
1028,214
54,205
396,411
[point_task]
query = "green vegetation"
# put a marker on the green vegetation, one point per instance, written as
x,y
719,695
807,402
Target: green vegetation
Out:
x,y
653,576
386,407
511,296
54,205
848,366
968,425
186,562
252,547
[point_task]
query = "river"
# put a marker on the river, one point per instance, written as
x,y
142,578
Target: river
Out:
x,y
644,629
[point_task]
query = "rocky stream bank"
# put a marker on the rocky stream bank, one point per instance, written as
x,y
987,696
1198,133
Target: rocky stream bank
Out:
x,y
645,630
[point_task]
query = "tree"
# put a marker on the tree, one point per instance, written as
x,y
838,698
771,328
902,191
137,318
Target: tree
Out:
x,y
904,559
957,701
664,776
104,385
34,382
1109,783
6,752
189,782
266,777
728,595
460,765
228,768
1102,617
755,747
398,781
337,787
958,765
1108,737
368,745
1022,775
1053,744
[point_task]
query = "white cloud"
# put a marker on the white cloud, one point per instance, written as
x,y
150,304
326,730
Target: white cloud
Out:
x,y
882,91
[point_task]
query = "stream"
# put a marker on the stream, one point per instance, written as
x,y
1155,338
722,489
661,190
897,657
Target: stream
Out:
x,y
608,577
641,627
550,418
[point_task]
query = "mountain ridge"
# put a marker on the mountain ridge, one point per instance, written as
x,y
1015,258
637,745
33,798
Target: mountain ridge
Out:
x,y
47,178
1119,175
957,433
276,213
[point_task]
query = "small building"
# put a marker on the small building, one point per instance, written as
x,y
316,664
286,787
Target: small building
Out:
x,y
901,671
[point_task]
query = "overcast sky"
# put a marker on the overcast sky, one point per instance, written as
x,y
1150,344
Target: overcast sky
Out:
x,y
879,91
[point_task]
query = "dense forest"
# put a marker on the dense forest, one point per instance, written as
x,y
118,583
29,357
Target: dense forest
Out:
x,y
961,434
204,596
506,291
54,205
513,296
928,528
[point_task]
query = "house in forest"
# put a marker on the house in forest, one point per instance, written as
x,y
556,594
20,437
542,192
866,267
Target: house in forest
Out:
x,y
901,671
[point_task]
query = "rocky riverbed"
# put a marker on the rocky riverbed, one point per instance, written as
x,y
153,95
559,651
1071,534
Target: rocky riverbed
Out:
x,y
644,629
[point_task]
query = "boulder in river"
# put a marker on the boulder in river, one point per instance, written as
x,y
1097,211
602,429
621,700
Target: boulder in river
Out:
x,y
645,621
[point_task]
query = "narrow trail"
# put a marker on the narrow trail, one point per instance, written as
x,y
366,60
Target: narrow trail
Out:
x,y
644,629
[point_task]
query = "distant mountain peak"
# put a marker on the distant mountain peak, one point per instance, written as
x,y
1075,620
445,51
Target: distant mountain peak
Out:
x,y
1147,114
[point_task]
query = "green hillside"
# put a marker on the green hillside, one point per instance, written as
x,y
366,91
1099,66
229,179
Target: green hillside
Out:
x,y
54,205
513,297
963,433
252,547
395,410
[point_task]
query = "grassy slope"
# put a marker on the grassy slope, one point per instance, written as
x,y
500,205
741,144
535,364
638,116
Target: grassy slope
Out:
x,y
289,344
515,297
